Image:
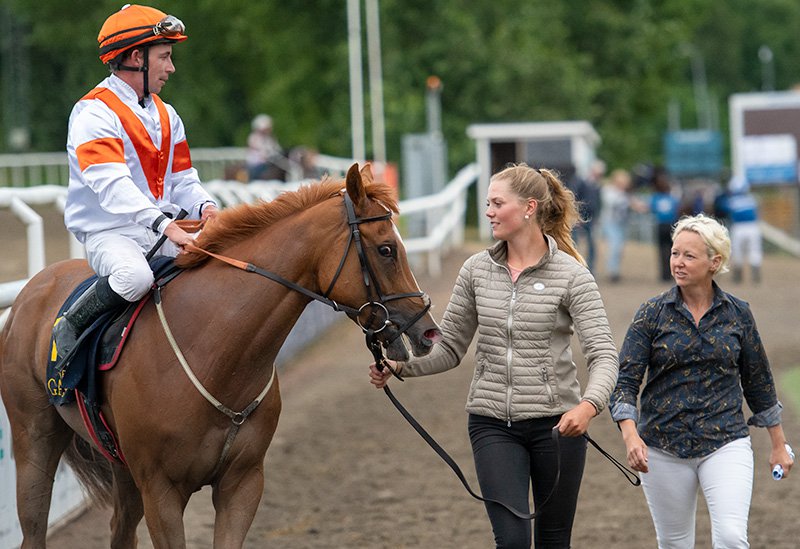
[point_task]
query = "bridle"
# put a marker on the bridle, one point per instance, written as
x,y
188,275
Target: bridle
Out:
x,y
376,298
376,301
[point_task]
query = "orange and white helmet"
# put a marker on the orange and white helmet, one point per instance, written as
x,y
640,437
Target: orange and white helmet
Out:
x,y
135,25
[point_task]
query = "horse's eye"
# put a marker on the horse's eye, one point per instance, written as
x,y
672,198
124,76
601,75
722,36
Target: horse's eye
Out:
x,y
386,251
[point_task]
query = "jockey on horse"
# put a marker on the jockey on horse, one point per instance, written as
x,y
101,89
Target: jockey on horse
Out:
x,y
130,168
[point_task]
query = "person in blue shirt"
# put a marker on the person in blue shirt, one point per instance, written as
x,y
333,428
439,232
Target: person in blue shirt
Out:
x,y
664,207
741,210
698,351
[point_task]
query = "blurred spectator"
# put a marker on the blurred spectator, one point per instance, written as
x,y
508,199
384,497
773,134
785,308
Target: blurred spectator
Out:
x,y
265,157
617,202
664,207
304,163
740,208
587,194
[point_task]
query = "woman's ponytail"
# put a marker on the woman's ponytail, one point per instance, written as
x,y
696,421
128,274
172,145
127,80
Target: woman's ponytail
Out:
x,y
559,215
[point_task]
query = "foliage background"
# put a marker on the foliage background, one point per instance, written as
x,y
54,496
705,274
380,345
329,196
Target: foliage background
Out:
x,y
615,63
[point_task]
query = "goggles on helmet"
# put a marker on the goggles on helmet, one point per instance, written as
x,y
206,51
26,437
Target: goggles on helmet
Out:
x,y
169,27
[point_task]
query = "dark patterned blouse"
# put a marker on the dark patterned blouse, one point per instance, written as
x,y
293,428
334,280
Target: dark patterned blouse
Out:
x,y
697,376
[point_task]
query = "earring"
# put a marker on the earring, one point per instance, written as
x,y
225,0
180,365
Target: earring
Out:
x,y
527,216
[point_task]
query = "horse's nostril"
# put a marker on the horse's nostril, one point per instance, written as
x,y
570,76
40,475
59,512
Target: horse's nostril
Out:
x,y
433,335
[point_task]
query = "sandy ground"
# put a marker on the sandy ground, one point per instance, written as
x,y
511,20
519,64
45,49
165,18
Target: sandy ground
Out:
x,y
345,470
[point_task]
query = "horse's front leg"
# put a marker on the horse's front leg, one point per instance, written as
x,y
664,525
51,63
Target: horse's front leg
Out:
x,y
237,491
236,497
164,504
128,510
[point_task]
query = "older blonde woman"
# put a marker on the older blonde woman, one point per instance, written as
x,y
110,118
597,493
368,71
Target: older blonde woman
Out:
x,y
701,352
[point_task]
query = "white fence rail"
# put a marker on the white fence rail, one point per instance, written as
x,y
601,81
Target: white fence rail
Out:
x,y
34,169
442,221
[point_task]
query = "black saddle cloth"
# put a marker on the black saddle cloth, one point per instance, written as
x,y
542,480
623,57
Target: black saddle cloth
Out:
x,y
98,345
97,348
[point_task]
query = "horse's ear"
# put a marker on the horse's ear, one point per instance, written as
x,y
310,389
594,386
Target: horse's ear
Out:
x,y
366,174
355,185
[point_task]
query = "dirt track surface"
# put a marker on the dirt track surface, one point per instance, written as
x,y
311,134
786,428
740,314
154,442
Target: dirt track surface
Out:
x,y
345,470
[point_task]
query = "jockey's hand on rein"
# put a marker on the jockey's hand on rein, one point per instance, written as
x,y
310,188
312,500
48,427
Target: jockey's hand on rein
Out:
x,y
178,236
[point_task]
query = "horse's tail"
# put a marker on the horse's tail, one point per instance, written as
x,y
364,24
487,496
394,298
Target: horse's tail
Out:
x,y
92,469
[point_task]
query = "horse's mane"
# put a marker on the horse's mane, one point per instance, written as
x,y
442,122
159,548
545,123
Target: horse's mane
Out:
x,y
234,224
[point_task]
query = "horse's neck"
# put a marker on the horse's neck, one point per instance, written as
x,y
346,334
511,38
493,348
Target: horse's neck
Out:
x,y
255,314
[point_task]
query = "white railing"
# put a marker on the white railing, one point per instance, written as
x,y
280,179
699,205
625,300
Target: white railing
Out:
x,y
35,169
780,238
443,216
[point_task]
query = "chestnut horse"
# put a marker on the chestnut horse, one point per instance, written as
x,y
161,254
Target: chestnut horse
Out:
x,y
228,326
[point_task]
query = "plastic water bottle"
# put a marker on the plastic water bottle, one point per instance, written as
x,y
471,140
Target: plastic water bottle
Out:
x,y
777,471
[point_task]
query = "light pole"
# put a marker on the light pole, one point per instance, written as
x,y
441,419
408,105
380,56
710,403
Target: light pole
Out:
x,y
375,81
356,79
700,85
767,60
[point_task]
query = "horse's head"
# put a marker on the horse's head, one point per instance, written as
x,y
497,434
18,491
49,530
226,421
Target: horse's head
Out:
x,y
373,275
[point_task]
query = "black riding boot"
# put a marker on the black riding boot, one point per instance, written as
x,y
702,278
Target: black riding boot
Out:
x,y
95,301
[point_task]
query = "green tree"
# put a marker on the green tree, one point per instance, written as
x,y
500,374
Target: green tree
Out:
x,y
615,63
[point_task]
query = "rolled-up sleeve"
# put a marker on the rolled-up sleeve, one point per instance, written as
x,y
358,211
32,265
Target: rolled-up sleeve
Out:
x,y
633,360
758,384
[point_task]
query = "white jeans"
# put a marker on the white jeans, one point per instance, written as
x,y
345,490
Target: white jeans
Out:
x,y
746,244
726,478
120,256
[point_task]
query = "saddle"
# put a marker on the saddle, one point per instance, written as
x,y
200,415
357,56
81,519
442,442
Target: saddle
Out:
x,y
98,348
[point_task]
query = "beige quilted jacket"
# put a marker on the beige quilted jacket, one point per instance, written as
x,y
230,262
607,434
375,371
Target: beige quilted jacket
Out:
x,y
524,366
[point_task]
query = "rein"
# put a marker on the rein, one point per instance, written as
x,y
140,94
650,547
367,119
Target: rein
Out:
x,y
376,298
380,363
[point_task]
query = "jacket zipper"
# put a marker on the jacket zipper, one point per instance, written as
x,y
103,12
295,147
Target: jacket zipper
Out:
x,y
509,352
546,380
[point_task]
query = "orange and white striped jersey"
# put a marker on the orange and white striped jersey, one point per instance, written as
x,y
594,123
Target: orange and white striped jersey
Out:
x,y
127,163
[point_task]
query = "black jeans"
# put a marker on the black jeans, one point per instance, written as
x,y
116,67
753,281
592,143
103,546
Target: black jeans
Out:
x,y
508,460
664,246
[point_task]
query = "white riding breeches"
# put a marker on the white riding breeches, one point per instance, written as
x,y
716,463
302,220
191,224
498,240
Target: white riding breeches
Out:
x,y
121,257
726,479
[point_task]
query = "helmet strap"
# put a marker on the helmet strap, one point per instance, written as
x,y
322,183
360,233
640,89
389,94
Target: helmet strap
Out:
x,y
143,69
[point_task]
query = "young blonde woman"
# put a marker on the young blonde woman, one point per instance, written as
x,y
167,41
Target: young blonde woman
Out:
x,y
701,353
524,297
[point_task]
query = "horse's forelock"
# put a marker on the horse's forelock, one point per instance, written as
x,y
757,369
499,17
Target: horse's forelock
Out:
x,y
384,195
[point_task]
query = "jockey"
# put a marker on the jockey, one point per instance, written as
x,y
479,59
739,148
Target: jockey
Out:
x,y
130,170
